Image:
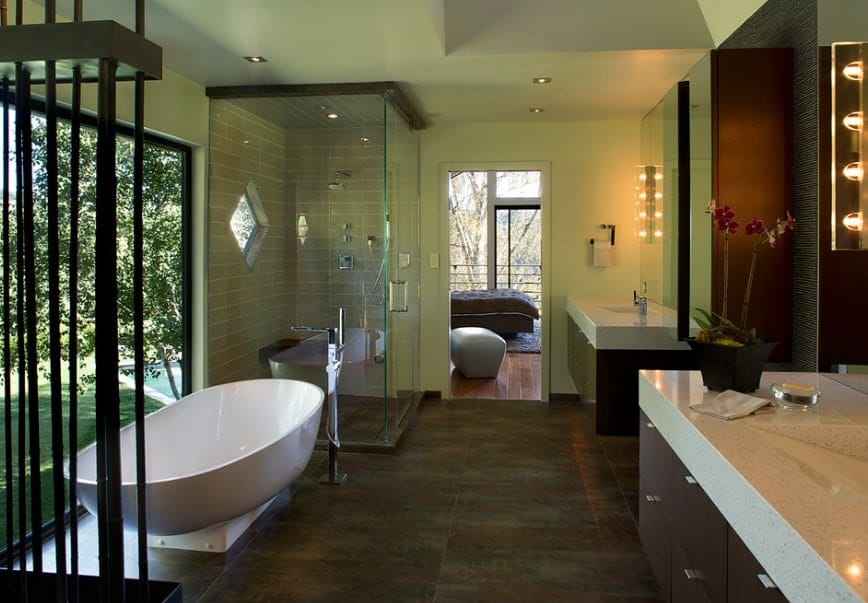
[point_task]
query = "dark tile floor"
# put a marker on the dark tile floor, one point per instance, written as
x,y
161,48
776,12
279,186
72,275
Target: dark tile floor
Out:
x,y
482,501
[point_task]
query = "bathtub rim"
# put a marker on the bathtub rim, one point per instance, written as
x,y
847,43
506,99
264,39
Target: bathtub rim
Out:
x,y
302,420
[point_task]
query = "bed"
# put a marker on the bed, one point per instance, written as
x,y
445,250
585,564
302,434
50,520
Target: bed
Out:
x,y
504,311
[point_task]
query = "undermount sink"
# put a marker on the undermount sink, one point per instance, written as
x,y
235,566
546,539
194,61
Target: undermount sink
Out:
x,y
835,457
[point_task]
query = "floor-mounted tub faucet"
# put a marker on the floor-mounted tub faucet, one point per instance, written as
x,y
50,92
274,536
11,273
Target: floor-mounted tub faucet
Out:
x,y
333,370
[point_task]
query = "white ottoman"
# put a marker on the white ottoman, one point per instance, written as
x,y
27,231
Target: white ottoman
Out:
x,y
476,352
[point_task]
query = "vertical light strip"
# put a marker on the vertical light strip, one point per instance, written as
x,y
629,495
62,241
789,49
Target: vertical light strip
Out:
x,y
848,146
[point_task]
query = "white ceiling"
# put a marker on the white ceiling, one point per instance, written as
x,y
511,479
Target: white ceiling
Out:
x,y
457,60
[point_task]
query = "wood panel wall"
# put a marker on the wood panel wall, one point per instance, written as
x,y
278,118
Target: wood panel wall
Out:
x,y
752,141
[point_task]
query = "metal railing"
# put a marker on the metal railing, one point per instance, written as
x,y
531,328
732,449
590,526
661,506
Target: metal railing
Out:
x,y
524,277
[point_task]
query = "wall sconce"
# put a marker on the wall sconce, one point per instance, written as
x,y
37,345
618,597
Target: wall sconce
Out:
x,y
649,203
302,228
848,145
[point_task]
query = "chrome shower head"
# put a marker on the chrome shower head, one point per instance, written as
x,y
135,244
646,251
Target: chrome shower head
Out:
x,y
337,184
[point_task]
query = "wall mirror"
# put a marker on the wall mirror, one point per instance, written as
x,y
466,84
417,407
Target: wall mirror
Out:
x,y
249,224
700,234
651,184
662,223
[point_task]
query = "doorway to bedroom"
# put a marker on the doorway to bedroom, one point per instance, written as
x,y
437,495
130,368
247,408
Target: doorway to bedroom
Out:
x,y
495,276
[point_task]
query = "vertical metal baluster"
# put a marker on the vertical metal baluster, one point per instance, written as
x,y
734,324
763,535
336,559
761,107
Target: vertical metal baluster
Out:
x,y
139,314
106,335
7,328
74,174
139,335
20,328
32,353
54,343
7,351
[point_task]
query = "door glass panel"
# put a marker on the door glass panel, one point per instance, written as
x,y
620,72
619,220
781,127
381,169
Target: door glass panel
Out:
x,y
518,253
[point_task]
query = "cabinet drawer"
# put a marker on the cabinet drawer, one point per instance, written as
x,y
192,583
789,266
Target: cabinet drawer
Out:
x,y
656,535
701,532
687,587
747,580
655,458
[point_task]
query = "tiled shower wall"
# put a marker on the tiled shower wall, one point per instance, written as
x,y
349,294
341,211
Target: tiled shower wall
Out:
x,y
339,224
246,308
347,223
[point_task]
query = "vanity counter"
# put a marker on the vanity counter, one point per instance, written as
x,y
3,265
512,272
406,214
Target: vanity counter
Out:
x,y
612,325
607,343
792,485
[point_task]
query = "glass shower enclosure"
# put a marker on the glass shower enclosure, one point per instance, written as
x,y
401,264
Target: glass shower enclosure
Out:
x,y
348,222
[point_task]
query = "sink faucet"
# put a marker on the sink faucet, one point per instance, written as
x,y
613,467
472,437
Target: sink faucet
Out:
x,y
641,300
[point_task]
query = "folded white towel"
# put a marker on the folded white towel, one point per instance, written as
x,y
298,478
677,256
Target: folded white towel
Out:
x,y
602,252
730,404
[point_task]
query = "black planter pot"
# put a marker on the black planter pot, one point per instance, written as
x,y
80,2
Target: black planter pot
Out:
x,y
736,368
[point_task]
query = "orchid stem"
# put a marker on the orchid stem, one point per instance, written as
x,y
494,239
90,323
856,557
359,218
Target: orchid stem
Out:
x,y
746,303
725,275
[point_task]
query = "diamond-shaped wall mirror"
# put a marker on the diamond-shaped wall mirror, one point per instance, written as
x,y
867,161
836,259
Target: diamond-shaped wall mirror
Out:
x,y
249,224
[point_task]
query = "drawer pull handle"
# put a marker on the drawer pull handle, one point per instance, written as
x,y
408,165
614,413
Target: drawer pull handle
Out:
x,y
694,574
690,479
653,498
766,581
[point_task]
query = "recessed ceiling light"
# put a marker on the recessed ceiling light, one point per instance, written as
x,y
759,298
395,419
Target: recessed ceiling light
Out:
x,y
536,109
542,80
332,115
256,59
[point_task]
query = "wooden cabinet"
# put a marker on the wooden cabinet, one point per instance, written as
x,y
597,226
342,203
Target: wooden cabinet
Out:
x,y
747,580
610,378
655,502
700,530
694,553
582,362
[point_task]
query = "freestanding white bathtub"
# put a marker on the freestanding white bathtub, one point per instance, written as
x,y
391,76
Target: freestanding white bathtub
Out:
x,y
214,457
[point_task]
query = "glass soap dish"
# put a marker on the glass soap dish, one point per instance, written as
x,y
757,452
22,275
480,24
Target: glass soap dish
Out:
x,y
795,396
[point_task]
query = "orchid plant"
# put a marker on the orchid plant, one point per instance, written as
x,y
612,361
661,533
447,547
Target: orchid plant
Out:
x,y
723,331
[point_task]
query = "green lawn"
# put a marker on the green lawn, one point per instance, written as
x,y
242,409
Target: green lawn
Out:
x,y
86,435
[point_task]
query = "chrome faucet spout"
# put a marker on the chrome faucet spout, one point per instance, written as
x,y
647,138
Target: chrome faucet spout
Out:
x,y
641,300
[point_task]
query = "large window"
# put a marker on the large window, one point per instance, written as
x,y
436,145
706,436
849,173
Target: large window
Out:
x,y
166,292
495,231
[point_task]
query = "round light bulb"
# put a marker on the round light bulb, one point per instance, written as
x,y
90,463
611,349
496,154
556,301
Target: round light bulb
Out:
x,y
853,71
853,121
853,171
853,221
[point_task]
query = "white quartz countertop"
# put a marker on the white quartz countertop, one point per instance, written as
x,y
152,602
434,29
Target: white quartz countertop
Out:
x,y
617,325
793,485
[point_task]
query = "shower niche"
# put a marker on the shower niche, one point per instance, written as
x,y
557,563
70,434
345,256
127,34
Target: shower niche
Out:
x,y
337,167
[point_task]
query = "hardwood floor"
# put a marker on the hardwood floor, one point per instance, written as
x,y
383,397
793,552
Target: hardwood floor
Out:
x,y
518,379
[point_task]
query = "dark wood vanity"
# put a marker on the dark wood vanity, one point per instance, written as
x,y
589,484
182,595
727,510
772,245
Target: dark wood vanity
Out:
x,y
695,554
